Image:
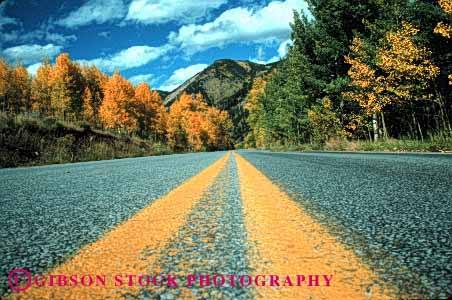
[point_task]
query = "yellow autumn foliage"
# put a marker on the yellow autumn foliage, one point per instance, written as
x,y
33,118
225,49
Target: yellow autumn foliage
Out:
x,y
445,29
257,137
194,125
446,5
149,111
115,109
405,70
325,122
370,89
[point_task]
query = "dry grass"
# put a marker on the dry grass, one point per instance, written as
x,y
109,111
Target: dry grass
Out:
x,y
438,143
28,141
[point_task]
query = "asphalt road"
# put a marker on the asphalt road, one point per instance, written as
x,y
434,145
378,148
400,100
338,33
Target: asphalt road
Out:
x,y
393,212
49,212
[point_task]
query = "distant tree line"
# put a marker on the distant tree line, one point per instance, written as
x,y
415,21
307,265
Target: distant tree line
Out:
x,y
364,70
72,92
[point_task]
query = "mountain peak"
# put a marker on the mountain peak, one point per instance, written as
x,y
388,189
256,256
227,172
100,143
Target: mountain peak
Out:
x,y
224,84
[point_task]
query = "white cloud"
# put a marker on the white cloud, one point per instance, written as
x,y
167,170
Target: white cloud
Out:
x,y
284,48
31,53
45,35
180,76
137,79
33,69
42,33
38,35
129,58
282,52
265,62
104,34
260,53
94,11
267,24
7,35
163,11
4,20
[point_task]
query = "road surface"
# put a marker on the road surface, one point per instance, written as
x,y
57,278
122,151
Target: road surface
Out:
x,y
269,225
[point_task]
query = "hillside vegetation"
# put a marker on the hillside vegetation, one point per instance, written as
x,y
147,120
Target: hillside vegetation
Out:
x,y
29,141
68,93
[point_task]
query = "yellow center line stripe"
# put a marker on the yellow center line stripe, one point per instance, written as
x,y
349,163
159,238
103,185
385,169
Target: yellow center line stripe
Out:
x,y
204,216
120,251
287,241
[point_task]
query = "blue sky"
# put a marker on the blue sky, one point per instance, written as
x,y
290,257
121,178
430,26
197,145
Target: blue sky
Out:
x,y
162,42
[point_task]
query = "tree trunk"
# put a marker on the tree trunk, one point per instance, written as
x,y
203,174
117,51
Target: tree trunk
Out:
x,y
383,123
411,133
420,131
375,126
416,124
444,116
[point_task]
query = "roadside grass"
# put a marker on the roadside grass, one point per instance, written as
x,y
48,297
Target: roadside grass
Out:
x,y
30,141
438,143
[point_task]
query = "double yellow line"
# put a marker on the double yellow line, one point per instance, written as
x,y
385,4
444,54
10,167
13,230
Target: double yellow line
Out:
x,y
289,242
284,240
120,251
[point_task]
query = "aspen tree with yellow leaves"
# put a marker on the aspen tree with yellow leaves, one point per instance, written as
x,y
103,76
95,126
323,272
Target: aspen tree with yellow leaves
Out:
x,y
59,80
445,29
41,89
408,68
368,89
194,126
4,77
442,28
149,112
116,109
326,123
67,88
88,108
178,119
256,136
196,133
406,72
15,88
21,89
184,123
218,126
93,95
